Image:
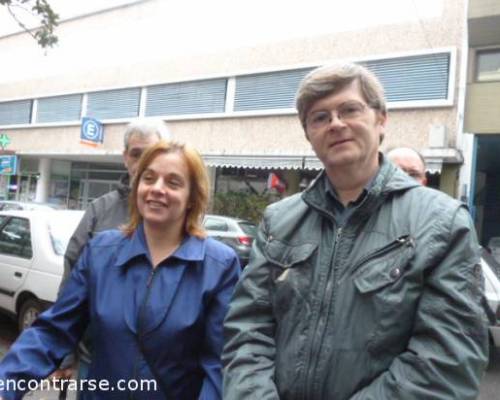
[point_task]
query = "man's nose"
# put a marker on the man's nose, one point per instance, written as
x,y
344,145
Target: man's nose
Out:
x,y
335,119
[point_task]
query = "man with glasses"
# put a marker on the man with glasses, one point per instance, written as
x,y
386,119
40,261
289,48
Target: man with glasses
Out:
x,y
410,161
366,285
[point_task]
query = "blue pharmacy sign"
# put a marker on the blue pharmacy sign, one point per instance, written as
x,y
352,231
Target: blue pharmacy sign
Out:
x,y
92,131
8,165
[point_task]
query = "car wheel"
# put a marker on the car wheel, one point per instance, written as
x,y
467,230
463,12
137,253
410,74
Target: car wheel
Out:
x,y
28,313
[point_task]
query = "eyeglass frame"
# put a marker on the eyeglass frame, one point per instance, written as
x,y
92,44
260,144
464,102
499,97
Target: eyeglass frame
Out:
x,y
338,114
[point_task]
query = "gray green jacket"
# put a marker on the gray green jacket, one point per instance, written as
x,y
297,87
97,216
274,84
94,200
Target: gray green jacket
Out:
x,y
385,307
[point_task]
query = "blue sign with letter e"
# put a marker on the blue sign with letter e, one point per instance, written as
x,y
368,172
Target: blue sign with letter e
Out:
x,y
92,131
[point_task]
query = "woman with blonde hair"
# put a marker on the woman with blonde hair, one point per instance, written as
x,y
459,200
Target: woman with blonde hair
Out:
x,y
154,294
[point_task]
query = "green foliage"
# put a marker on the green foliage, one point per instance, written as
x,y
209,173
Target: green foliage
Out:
x,y
249,206
41,10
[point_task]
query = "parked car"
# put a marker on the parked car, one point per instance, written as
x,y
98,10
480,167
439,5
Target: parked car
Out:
x,y
494,247
491,274
236,233
32,245
6,205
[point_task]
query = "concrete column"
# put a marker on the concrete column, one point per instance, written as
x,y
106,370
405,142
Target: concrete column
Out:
x,y
449,180
42,186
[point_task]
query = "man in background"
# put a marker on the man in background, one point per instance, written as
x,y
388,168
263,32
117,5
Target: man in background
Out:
x,y
410,161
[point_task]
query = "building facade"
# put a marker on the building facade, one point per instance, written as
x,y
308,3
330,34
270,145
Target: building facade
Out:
x,y
482,117
234,104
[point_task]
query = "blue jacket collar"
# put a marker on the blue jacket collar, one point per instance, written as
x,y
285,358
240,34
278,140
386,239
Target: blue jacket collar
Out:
x,y
191,248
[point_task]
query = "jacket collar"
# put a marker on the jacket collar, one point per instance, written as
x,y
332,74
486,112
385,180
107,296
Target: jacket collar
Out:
x,y
123,188
389,179
191,248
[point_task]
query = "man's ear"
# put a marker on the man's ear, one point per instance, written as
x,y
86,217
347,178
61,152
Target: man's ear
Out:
x,y
382,118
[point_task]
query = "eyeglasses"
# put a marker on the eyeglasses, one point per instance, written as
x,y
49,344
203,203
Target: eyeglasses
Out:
x,y
347,111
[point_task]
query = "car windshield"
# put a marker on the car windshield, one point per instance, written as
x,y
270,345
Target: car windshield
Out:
x,y
62,228
249,228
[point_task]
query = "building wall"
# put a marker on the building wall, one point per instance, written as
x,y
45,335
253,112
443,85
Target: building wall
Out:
x,y
268,135
75,68
483,98
483,8
103,51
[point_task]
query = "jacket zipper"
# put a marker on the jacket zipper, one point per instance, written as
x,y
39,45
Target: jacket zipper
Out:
x,y
402,241
140,323
316,342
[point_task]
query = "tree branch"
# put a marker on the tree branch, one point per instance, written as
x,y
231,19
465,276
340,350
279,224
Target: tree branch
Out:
x,y
41,10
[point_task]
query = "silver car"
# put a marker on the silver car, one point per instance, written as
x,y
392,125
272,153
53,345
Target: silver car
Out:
x,y
236,233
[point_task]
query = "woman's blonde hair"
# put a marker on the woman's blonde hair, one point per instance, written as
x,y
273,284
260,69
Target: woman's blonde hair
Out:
x,y
198,191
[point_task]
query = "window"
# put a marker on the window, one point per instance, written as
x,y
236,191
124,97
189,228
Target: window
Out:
x,y
112,104
414,78
197,97
212,224
15,238
249,228
15,112
60,108
488,65
268,91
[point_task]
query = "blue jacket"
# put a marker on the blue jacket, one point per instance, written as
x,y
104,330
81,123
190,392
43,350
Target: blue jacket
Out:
x,y
163,324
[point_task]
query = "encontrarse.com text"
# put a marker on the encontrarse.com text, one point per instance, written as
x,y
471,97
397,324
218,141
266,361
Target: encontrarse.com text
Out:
x,y
92,385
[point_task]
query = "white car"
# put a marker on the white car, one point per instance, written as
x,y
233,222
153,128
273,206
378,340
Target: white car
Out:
x,y
491,273
32,245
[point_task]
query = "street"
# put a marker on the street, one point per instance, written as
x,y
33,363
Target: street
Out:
x,y
490,387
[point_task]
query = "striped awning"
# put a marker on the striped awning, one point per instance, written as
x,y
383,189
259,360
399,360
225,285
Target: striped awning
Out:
x,y
435,158
262,161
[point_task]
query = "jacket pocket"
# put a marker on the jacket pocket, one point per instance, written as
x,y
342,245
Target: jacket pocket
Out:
x,y
292,272
286,255
384,266
388,293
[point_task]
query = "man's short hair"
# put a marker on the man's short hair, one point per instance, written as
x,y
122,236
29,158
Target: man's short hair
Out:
x,y
395,150
330,79
144,127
